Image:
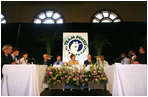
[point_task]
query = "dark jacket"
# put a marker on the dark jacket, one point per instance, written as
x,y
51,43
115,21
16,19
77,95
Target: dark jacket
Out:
x,y
87,62
47,63
6,59
142,58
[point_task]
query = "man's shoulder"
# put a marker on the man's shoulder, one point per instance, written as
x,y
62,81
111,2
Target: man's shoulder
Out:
x,y
3,54
125,58
145,54
61,61
42,60
9,56
54,61
48,60
86,61
105,61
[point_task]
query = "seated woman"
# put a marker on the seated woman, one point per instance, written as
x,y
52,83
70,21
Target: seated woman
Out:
x,y
24,59
73,61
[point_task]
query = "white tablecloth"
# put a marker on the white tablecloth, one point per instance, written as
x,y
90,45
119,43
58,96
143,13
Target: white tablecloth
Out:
x,y
23,80
127,80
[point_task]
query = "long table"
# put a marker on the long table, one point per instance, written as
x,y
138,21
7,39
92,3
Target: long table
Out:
x,y
27,80
127,80
22,80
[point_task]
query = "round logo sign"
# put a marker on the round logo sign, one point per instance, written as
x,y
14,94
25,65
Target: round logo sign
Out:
x,y
75,45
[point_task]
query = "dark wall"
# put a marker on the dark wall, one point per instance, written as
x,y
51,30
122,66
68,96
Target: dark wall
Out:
x,y
122,36
73,11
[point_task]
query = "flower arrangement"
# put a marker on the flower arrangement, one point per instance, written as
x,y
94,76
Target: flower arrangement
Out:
x,y
96,74
56,75
75,76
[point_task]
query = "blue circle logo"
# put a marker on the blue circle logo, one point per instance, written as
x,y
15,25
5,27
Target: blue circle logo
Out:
x,y
77,44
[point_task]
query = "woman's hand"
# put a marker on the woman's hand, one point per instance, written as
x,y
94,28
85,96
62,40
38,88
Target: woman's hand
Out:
x,y
136,62
13,63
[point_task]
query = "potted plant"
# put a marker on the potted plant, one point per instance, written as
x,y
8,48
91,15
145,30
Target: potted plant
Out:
x,y
99,43
76,78
55,77
96,77
47,40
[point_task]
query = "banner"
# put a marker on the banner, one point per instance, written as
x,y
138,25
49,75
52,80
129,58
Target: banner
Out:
x,y
75,43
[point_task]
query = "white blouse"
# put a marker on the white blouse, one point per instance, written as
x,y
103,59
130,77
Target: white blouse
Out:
x,y
23,61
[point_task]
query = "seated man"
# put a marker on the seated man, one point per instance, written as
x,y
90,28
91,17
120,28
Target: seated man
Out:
x,y
6,57
124,60
15,53
142,56
58,62
89,61
46,60
102,62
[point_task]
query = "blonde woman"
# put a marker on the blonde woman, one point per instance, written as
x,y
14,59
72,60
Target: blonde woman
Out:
x,y
73,61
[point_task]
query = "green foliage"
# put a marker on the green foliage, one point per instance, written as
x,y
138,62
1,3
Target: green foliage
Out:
x,y
47,40
99,43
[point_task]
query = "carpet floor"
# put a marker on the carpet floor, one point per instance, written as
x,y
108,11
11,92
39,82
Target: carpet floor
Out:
x,y
75,92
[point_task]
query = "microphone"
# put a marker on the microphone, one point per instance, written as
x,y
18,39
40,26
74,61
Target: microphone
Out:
x,y
118,59
31,60
34,60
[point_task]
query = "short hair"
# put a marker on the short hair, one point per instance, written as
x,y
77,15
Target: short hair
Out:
x,y
23,53
15,49
143,47
44,54
123,54
101,55
58,56
132,51
72,55
90,55
6,46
